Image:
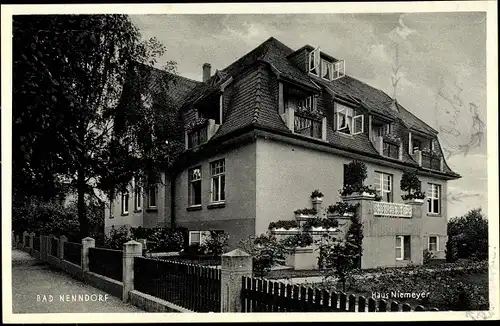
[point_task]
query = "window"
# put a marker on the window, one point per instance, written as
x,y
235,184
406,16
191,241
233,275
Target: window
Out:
x,y
152,197
137,198
217,171
391,150
433,199
326,70
347,121
314,62
125,203
433,243
403,247
197,237
194,186
338,69
383,185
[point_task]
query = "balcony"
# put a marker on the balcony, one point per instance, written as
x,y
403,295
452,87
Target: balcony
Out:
x,y
387,148
305,124
427,160
392,209
199,132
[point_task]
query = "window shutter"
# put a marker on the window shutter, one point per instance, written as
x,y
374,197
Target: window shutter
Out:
x,y
358,122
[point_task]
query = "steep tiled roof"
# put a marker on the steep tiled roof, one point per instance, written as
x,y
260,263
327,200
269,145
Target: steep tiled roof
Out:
x,y
272,52
176,87
412,121
253,104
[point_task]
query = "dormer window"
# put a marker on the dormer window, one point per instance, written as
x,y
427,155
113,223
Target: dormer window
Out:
x,y
306,104
314,61
347,120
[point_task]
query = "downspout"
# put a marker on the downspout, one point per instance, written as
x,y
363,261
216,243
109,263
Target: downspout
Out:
x,y
172,200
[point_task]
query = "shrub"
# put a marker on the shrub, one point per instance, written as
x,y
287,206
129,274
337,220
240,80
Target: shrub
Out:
x,y
341,208
306,211
266,252
468,237
302,239
194,250
285,224
350,189
117,237
355,173
317,193
428,256
216,243
411,183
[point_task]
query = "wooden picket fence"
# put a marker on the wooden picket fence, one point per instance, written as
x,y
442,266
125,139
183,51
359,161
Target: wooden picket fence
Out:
x,y
260,295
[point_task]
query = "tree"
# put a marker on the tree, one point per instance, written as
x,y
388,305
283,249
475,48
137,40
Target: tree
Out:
x,y
468,236
69,73
411,184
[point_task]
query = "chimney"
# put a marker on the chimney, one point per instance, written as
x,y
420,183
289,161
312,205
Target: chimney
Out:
x,y
206,72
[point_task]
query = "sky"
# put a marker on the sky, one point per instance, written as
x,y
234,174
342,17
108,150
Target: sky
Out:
x,y
440,63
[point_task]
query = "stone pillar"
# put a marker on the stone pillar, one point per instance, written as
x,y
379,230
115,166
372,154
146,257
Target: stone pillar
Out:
x,y
17,239
131,249
62,240
143,242
317,203
235,265
25,244
44,247
32,240
87,243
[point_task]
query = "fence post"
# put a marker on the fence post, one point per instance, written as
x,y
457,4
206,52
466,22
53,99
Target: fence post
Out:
x,y
32,240
87,243
44,247
235,265
17,240
131,249
25,233
62,240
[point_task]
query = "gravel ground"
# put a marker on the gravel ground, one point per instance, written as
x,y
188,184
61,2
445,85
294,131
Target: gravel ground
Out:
x,y
33,281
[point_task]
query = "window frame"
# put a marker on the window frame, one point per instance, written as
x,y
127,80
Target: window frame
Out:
x,y
402,247
137,198
339,68
389,146
125,210
350,117
429,242
381,182
203,236
314,57
155,189
190,186
221,184
430,199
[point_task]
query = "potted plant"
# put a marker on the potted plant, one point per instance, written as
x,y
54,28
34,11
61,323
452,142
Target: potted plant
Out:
x,y
354,177
284,225
411,184
304,213
317,196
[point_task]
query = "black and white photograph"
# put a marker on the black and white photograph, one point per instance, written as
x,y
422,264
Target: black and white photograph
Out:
x,y
336,160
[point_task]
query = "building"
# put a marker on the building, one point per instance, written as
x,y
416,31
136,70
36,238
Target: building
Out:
x,y
264,132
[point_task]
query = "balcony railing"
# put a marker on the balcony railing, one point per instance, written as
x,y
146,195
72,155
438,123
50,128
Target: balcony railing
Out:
x,y
307,126
427,160
201,133
304,125
392,209
431,162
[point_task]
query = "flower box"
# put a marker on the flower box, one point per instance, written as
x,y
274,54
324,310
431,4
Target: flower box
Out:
x,y
414,201
302,216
